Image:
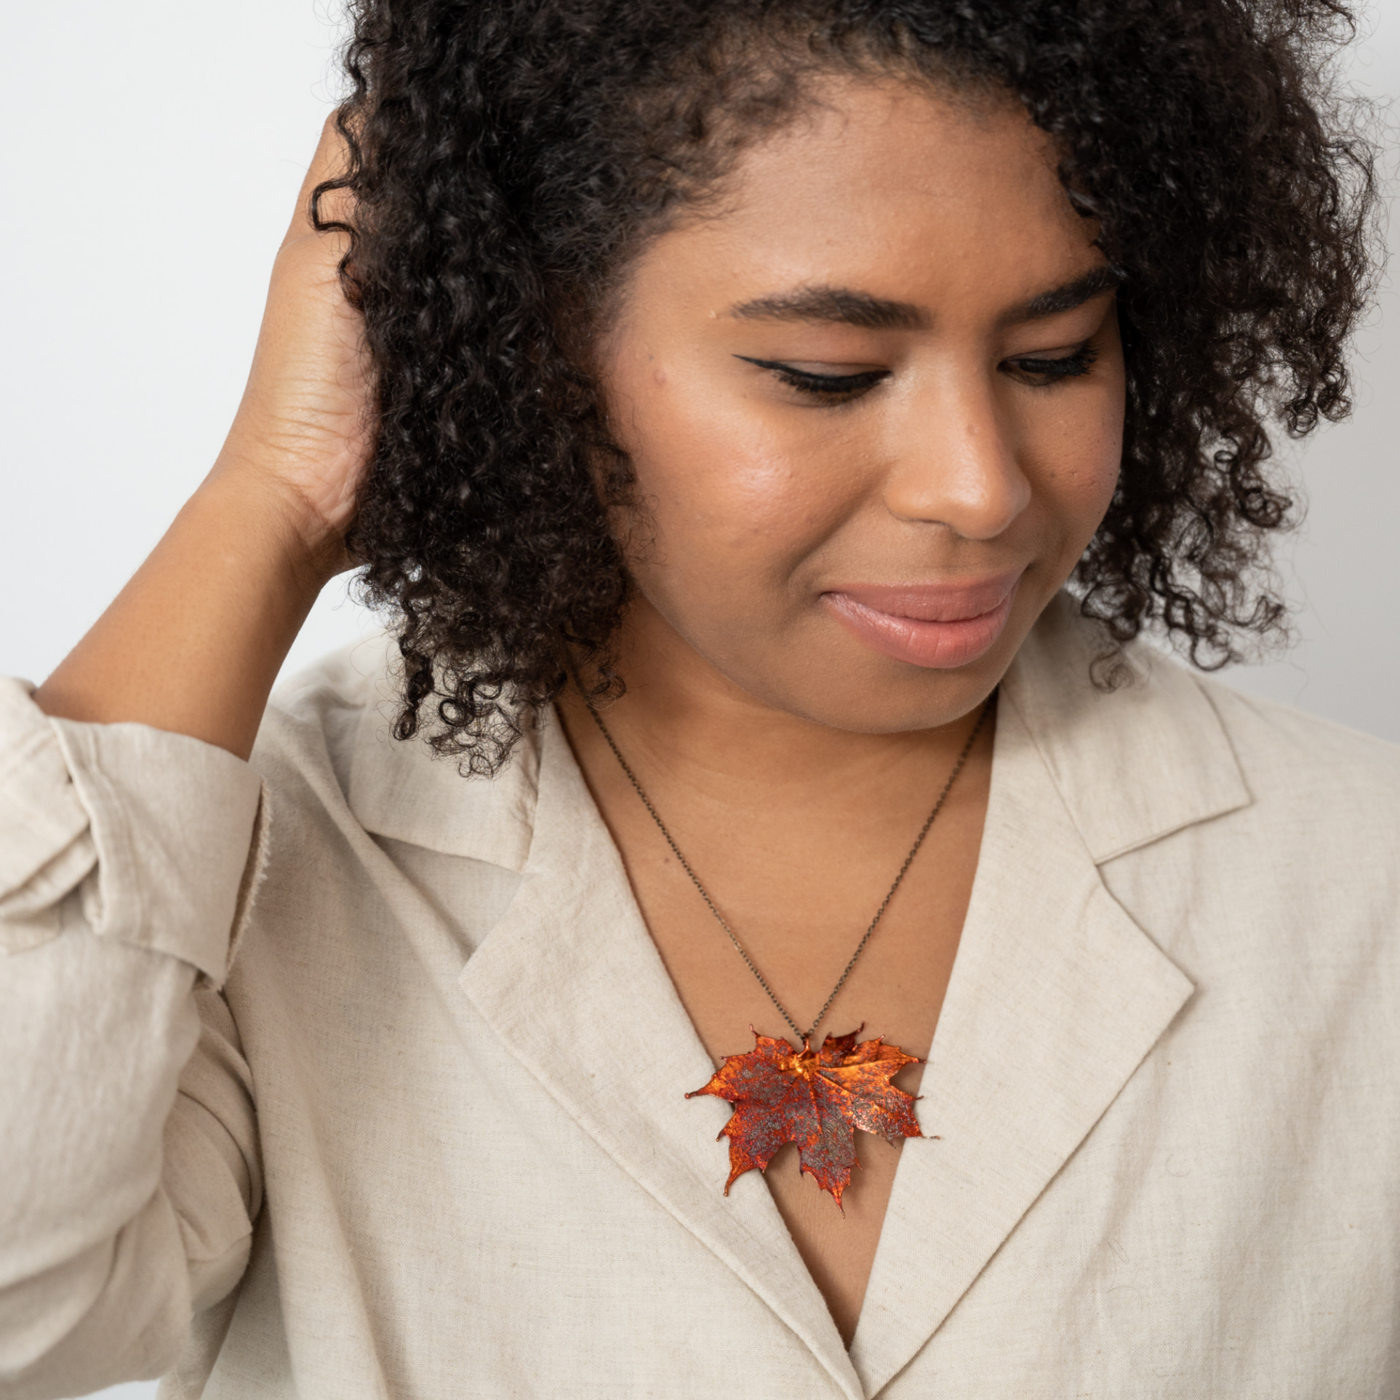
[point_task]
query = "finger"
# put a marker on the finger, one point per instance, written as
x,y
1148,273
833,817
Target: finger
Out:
x,y
332,158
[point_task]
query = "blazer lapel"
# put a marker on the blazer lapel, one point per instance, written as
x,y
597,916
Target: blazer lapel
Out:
x,y
572,983
1056,996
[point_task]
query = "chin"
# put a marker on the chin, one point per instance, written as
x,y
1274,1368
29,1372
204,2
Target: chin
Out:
x,y
841,688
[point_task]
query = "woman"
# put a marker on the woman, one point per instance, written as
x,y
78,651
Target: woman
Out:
x,y
721,398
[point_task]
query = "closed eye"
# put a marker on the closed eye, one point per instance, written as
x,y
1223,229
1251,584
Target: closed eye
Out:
x,y
826,387
1043,371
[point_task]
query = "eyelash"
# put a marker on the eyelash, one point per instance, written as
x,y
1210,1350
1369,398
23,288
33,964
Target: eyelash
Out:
x,y
843,388
1051,371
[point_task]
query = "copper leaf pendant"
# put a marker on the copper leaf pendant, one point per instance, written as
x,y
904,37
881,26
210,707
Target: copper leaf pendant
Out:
x,y
815,1098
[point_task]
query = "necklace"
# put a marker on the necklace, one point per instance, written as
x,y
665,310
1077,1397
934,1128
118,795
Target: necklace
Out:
x,y
815,1098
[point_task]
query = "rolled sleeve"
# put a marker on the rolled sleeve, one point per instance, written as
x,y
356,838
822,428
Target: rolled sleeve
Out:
x,y
162,835
129,860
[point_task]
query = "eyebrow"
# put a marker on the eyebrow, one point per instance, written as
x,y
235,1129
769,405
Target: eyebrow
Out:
x,y
843,306
1093,283
837,304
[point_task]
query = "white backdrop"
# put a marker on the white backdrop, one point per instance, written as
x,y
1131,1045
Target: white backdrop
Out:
x,y
153,151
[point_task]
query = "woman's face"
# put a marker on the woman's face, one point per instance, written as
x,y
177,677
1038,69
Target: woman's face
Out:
x,y
874,405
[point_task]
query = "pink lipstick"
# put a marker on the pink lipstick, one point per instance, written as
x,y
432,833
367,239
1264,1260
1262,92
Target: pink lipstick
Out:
x,y
937,625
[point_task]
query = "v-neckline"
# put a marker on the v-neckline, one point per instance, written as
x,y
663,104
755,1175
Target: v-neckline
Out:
x,y
1054,999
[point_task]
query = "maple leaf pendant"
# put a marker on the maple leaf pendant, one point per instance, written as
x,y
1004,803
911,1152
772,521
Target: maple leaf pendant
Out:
x,y
815,1098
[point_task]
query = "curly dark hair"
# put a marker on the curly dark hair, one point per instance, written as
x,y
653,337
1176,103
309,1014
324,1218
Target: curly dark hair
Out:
x,y
510,157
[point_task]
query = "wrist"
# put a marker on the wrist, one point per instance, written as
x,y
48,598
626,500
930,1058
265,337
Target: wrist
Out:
x,y
278,523
194,642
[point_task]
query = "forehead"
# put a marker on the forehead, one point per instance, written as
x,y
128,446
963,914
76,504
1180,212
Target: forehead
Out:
x,y
899,190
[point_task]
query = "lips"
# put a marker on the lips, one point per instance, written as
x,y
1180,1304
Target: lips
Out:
x,y
939,625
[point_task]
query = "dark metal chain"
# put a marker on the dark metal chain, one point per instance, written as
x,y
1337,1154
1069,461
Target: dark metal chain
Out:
x,y
884,903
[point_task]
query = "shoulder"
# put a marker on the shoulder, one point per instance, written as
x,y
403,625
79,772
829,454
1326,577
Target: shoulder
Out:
x,y
1172,748
1309,846
327,751
1316,787
1289,751
1254,843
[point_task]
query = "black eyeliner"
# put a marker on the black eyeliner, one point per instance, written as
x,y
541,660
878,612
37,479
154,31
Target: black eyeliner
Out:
x,y
818,383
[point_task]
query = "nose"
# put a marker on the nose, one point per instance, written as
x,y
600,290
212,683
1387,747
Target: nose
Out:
x,y
954,465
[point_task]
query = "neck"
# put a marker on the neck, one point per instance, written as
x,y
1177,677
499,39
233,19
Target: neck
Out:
x,y
682,720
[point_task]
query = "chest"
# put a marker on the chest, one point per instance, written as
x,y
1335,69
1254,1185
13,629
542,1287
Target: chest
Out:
x,y
446,1202
799,923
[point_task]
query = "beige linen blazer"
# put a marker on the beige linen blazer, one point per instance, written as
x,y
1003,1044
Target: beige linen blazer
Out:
x,y
321,1052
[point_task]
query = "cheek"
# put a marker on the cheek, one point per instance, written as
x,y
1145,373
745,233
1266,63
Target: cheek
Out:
x,y
722,485
1077,459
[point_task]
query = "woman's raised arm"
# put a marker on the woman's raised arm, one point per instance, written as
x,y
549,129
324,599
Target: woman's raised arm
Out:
x,y
128,1136
194,641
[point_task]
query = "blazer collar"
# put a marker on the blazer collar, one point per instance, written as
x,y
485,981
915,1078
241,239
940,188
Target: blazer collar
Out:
x,y
1056,994
1130,765
404,791
1133,764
